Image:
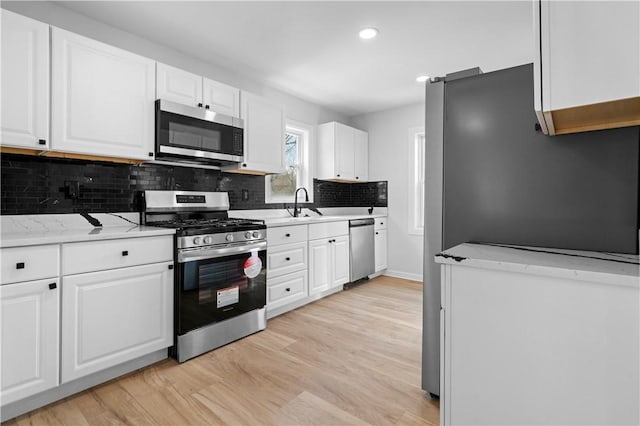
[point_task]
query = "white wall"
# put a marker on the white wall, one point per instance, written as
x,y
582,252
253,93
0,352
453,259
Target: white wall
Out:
x,y
61,17
389,160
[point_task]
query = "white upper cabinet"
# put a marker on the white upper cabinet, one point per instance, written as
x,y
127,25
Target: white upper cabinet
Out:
x,y
221,97
343,153
25,82
587,65
264,124
102,99
177,85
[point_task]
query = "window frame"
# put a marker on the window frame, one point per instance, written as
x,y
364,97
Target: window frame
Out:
x,y
304,176
416,178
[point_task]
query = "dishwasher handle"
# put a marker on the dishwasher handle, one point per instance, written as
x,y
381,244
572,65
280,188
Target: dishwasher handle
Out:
x,y
361,222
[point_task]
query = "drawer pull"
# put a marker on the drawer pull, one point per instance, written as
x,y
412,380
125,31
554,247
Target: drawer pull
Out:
x,y
287,259
287,235
20,265
287,289
125,252
170,266
52,286
377,233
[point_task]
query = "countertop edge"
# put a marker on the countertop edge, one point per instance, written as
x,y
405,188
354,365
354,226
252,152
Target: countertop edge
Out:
x,y
81,235
627,278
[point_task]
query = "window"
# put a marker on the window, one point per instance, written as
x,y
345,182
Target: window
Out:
x,y
281,188
416,180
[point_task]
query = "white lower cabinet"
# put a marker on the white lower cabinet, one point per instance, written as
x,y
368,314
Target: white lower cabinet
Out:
x,y
30,338
328,256
110,317
380,244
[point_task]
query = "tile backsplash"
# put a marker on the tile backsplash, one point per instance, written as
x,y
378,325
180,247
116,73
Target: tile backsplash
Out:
x,y
36,185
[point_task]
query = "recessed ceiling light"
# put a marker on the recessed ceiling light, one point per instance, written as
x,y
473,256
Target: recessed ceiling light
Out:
x,y
368,33
422,78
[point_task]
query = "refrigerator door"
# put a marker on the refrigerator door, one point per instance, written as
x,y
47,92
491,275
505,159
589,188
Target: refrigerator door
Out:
x,y
434,144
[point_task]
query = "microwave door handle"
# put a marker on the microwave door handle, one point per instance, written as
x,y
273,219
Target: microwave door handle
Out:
x,y
212,253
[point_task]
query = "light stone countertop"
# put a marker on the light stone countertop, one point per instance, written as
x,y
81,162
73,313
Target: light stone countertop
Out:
x,y
29,230
275,218
607,268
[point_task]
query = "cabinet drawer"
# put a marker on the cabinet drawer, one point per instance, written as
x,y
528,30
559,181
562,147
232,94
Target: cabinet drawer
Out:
x,y
328,229
286,235
29,263
380,223
287,258
110,254
286,289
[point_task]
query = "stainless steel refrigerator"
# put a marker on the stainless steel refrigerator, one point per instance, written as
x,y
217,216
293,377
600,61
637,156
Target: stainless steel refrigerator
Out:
x,y
491,177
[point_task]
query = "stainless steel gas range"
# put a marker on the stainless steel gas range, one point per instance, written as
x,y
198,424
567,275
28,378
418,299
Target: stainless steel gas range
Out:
x,y
220,278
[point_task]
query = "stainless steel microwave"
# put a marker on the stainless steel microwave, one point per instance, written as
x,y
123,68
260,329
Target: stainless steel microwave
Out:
x,y
197,135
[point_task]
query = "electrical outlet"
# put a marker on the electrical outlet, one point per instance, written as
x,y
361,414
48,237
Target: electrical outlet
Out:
x,y
71,189
245,195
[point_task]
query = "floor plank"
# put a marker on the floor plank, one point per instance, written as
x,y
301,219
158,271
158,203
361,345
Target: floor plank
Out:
x,y
352,358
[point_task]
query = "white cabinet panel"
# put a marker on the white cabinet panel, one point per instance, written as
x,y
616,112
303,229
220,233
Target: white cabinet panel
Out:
x,y
286,258
176,85
380,249
339,260
345,151
102,99
361,155
30,338
29,263
119,253
263,135
286,235
319,266
221,97
115,316
25,82
286,289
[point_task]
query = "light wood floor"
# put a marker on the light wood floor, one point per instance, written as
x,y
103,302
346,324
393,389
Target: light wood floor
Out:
x,y
351,358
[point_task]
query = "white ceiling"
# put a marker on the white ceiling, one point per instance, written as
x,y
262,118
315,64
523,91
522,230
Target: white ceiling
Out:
x,y
312,50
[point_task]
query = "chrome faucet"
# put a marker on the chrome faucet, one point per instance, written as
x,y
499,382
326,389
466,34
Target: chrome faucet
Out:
x,y
295,201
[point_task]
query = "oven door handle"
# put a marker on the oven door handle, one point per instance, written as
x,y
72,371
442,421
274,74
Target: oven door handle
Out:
x,y
212,253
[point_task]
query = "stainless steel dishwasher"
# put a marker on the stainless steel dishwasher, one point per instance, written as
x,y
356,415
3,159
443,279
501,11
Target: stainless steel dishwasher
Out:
x,y
361,257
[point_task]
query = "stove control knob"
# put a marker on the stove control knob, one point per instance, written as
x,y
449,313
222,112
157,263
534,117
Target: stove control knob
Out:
x,y
256,234
207,240
229,237
247,235
196,241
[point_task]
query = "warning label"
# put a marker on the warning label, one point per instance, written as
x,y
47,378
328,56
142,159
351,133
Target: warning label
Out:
x,y
228,296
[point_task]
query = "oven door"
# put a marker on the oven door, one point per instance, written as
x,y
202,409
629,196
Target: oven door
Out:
x,y
197,134
217,284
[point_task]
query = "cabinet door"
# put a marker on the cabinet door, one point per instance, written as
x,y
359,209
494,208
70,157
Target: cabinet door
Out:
x,y
339,260
380,249
111,317
176,85
344,152
320,278
25,82
361,155
102,99
263,135
30,337
221,97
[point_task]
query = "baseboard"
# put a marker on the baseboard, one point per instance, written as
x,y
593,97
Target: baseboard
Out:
x,y
404,275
